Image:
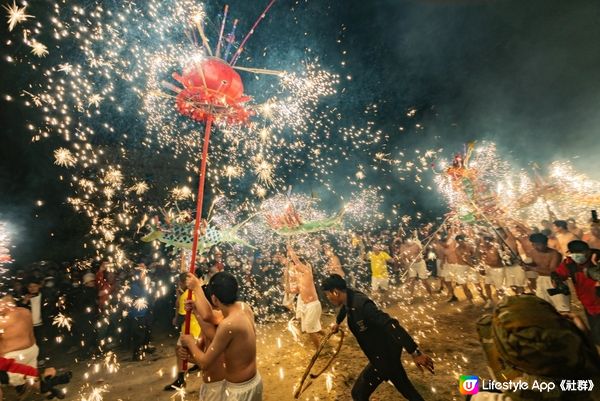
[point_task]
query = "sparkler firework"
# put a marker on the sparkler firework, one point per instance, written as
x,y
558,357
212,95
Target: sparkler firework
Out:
x,y
113,101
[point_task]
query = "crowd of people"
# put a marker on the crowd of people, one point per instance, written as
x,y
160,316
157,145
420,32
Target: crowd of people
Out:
x,y
95,310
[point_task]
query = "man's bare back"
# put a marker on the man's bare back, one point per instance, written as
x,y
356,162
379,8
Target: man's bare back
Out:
x,y
215,371
16,330
450,256
545,262
240,353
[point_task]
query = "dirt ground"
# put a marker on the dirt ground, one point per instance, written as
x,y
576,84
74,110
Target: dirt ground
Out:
x,y
444,331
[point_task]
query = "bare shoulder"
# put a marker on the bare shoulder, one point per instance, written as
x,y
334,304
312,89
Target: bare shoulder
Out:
x,y
247,309
22,312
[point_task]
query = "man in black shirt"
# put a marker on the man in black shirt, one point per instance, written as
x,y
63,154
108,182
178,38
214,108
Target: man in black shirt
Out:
x,y
380,337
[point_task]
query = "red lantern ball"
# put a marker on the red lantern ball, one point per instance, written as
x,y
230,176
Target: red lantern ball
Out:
x,y
211,88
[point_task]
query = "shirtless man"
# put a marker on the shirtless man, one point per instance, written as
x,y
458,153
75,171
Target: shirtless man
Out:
x,y
494,273
213,375
333,266
593,237
563,236
463,268
17,340
448,264
544,261
514,274
308,307
411,256
234,339
573,229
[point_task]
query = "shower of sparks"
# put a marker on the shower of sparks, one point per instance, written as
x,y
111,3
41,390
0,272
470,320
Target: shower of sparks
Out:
x,y
61,320
16,15
182,193
38,49
63,157
131,152
96,394
5,246
520,194
140,304
139,188
179,392
329,381
293,330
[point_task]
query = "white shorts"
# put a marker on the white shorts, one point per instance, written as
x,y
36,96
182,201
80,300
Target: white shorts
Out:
x,y
27,357
561,302
495,276
309,315
462,274
418,269
252,390
380,282
443,271
515,276
212,391
531,274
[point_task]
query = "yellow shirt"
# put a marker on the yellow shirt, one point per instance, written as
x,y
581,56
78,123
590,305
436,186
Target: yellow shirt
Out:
x,y
194,325
378,265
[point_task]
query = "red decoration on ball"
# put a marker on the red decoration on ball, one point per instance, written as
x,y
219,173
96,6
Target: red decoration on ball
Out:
x,y
212,88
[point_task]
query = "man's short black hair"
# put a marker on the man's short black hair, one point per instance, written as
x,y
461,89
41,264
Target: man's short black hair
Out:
x,y
560,224
224,286
334,282
538,238
35,279
578,246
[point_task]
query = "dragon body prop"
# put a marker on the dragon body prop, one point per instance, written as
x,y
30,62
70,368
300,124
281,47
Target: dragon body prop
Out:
x,y
292,224
181,235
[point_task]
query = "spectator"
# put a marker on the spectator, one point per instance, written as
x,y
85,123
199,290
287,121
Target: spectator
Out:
x,y
42,304
563,236
575,267
83,301
573,229
379,269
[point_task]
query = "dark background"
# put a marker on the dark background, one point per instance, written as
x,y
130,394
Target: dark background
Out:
x,y
524,74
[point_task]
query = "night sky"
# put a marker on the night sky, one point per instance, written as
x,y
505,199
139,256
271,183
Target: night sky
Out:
x,y
525,74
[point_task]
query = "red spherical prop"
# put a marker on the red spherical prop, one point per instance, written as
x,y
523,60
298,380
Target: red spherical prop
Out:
x,y
211,88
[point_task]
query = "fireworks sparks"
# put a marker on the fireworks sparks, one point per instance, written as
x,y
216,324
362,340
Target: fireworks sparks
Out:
x,y
16,15
61,320
63,157
182,193
96,394
38,49
114,104
140,304
139,188
5,245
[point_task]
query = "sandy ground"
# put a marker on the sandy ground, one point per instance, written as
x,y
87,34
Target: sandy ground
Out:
x,y
446,332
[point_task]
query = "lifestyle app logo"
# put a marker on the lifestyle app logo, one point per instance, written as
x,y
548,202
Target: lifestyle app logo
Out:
x,y
468,385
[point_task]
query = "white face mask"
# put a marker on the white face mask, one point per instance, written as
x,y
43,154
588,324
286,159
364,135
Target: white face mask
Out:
x,y
579,258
